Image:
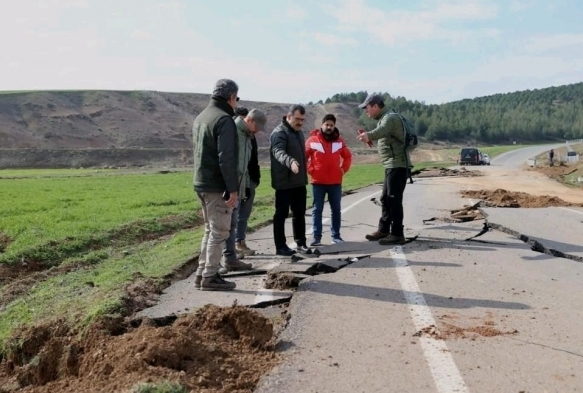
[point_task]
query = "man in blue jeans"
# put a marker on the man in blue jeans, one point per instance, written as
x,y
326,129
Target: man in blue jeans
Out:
x,y
328,160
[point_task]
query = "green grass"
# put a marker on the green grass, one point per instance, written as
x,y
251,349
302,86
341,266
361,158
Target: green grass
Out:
x,y
40,210
36,173
75,221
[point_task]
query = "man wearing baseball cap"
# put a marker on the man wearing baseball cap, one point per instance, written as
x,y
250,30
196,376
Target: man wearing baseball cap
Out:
x,y
253,123
390,135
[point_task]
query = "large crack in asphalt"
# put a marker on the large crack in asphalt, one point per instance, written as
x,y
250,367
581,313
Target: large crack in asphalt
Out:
x,y
534,244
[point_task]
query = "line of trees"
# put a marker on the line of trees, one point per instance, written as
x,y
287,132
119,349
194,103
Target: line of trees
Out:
x,y
530,115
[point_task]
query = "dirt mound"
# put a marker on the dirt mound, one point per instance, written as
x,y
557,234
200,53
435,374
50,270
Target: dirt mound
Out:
x,y
450,331
446,172
504,198
282,280
213,350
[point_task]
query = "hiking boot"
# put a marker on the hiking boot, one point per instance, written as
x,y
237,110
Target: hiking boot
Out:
x,y
242,248
236,266
316,242
392,240
376,235
197,282
216,283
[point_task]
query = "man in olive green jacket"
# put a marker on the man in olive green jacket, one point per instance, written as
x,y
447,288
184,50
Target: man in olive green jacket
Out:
x,y
246,129
390,135
215,180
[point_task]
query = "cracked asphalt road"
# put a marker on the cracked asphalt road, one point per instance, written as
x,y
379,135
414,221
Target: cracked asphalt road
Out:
x,y
503,317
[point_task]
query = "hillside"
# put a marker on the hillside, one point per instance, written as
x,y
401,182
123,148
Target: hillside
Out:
x,y
532,115
127,120
140,128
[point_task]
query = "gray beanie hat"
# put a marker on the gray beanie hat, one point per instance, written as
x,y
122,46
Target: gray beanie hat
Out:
x,y
225,88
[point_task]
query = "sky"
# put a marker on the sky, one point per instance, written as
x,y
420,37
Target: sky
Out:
x,y
291,51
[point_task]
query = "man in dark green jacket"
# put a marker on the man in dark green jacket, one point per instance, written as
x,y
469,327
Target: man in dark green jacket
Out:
x,y
289,178
216,182
390,135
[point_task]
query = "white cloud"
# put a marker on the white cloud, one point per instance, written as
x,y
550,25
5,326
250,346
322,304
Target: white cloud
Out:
x,y
518,6
541,44
333,39
433,21
296,12
139,34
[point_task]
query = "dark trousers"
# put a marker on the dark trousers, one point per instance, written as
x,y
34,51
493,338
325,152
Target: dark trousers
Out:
x,y
391,220
294,198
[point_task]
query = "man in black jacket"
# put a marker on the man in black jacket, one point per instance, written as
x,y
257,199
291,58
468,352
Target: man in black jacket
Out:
x,y
216,183
289,178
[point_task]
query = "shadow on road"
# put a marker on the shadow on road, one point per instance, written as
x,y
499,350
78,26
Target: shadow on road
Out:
x,y
397,296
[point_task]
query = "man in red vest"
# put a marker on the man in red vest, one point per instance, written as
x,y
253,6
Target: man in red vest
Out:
x,y
328,160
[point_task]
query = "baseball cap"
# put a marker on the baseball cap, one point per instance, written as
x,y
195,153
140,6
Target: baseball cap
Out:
x,y
372,99
258,117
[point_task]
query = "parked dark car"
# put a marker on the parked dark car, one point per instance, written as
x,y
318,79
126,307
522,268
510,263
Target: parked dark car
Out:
x,y
470,156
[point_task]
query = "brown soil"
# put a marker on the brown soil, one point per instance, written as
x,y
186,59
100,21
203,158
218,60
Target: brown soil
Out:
x,y
450,331
213,350
282,280
559,171
504,198
446,172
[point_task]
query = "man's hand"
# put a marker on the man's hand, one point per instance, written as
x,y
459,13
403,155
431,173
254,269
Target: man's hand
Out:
x,y
363,137
295,167
232,202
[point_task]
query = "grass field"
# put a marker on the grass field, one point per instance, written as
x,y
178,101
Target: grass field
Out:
x,y
91,236
70,243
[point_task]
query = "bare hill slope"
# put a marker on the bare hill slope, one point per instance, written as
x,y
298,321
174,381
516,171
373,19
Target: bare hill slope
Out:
x,y
74,120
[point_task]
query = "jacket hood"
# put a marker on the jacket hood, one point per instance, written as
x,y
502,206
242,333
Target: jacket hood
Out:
x,y
222,104
329,137
242,126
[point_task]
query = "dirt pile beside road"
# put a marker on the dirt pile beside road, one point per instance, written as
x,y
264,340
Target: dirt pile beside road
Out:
x,y
446,172
213,350
562,172
504,198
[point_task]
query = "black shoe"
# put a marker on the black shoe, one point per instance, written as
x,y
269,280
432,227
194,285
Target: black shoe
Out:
x,y
285,251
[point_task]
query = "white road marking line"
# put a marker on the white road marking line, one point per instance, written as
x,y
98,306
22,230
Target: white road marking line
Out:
x,y
264,295
347,208
572,210
441,364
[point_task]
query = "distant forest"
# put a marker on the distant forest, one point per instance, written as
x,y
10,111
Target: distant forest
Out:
x,y
531,115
